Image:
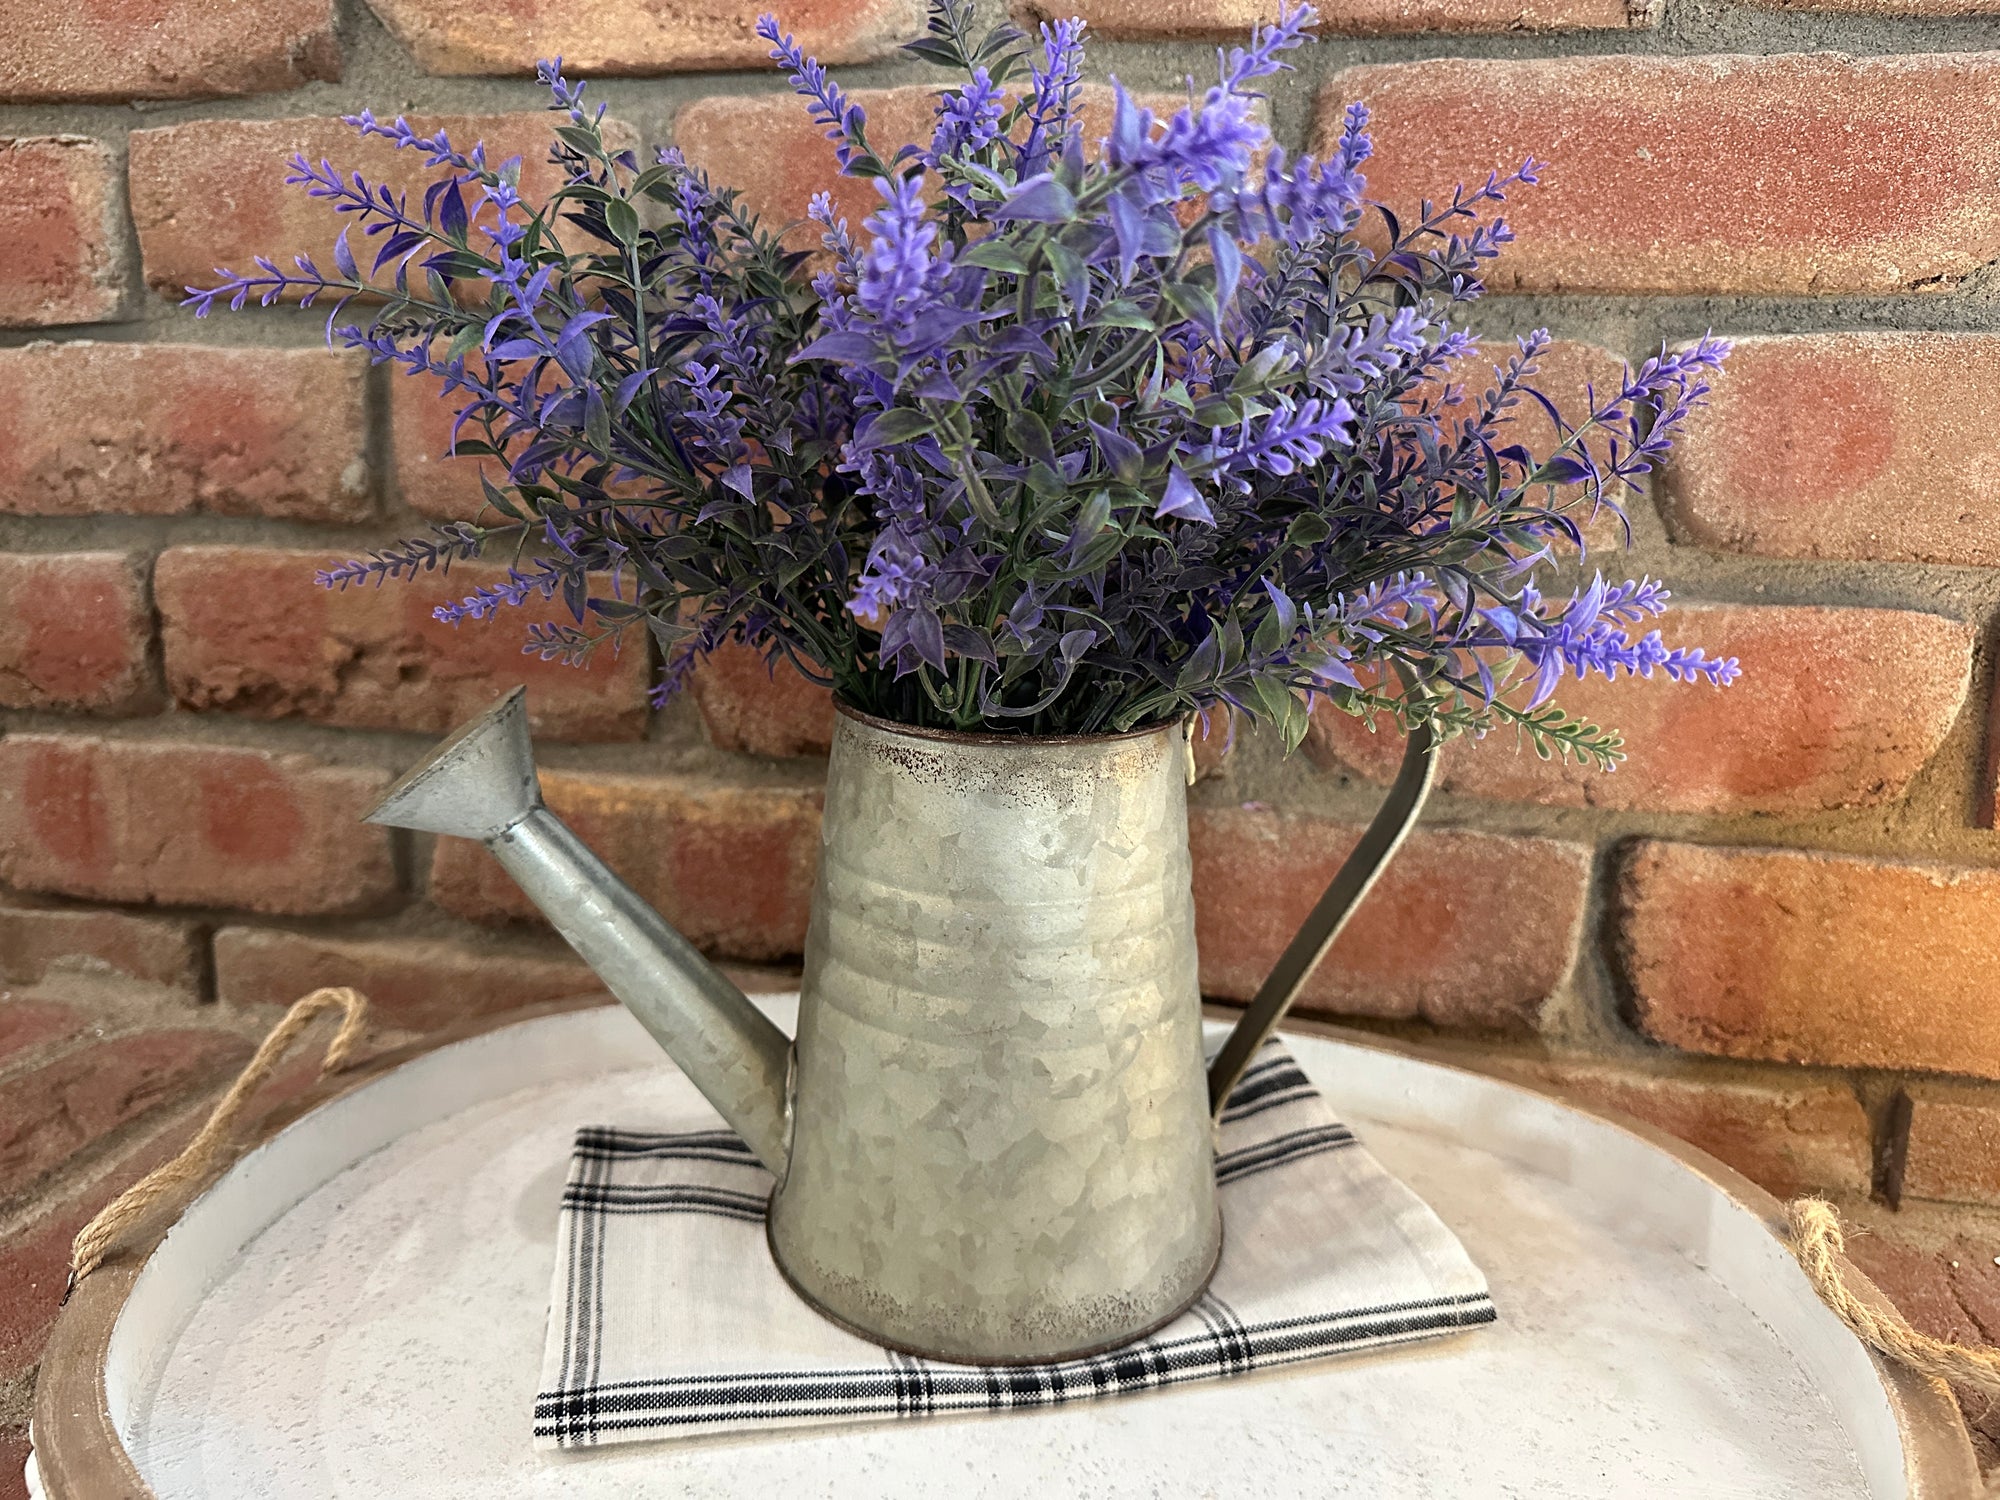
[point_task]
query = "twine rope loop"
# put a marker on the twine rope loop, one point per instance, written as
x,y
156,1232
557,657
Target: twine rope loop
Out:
x,y
95,1240
1818,1242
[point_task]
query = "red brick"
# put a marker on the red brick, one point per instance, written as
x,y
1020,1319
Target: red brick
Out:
x,y
1788,1140
760,709
1836,708
1813,173
39,942
1813,958
1849,446
1464,929
28,1024
433,482
174,429
1953,1151
14,1451
137,820
212,193
247,630
462,36
58,220
164,49
1231,20
74,630
1950,1291
1881,7
411,983
731,867
59,1109
34,1262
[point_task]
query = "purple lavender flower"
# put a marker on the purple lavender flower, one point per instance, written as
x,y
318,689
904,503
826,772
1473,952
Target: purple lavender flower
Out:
x,y
897,270
1296,200
1209,146
968,119
545,582
1054,84
836,240
846,122
894,575
1057,442
1587,637
1286,441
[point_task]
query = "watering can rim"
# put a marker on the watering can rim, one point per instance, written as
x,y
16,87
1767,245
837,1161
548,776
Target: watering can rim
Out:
x,y
990,739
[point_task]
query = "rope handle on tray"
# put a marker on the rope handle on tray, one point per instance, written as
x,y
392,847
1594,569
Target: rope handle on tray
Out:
x,y
95,1240
1818,1242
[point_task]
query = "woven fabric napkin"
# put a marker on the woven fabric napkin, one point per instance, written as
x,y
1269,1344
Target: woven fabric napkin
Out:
x,y
667,1318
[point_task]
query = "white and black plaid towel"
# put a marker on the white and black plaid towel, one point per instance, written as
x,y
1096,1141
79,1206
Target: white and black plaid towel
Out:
x,y
668,1319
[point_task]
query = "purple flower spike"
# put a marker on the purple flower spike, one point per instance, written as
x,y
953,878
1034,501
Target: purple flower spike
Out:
x,y
1059,440
1054,88
968,120
845,121
897,270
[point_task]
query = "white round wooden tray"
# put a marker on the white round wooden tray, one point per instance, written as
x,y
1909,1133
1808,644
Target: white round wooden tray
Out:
x,y
357,1307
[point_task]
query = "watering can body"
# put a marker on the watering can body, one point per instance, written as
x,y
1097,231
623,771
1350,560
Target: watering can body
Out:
x,y
992,1137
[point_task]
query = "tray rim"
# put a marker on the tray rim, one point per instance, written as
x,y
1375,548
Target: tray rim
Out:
x,y
78,1455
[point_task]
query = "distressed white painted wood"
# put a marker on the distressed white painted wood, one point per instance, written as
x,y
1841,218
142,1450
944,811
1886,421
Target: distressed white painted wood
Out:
x,y
357,1310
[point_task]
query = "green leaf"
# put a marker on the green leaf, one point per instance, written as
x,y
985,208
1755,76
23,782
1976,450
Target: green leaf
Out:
x,y
1030,436
996,254
1257,372
581,138
1232,643
1123,313
464,265
1308,529
1046,481
1193,302
1464,508
498,498
985,178
623,220
1095,554
1065,262
647,180
597,423
898,425
1095,515
1269,635
935,50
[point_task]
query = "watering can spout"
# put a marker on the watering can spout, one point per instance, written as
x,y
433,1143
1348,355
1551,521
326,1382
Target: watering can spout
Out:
x,y
481,784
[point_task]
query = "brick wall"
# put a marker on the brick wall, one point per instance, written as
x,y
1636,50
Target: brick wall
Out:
x,y
1776,932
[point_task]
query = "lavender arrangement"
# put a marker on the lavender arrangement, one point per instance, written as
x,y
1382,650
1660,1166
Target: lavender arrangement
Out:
x,y
1072,437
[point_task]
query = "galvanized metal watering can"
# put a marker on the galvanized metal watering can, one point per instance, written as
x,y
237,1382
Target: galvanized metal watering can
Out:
x,y
993,1134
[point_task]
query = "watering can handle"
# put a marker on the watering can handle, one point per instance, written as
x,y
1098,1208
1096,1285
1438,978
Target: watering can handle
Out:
x,y
1355,878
